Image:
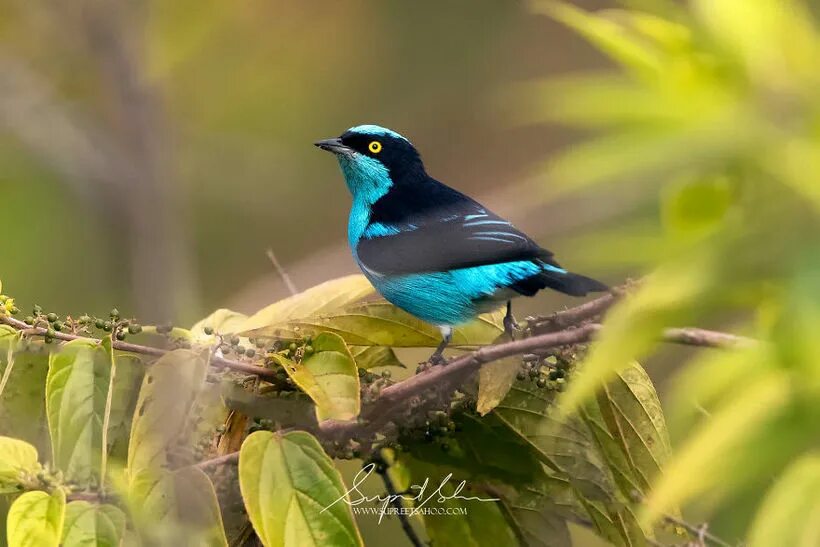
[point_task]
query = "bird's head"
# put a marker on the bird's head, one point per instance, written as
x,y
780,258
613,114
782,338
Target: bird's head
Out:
x,y
373,159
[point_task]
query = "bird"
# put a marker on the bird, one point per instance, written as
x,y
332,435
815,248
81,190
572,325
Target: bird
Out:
x,y
431,250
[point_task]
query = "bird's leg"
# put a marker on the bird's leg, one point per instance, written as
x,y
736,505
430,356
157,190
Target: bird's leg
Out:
x,y
510,325
438,356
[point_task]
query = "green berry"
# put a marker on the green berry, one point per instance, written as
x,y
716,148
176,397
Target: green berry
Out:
x,y
292,346
37,309
134,329
48,339
52,317
51,333
208,330
542,383
240,350
521,376
115,314
308,350
120,335
99,323
29,320
58,325
14,310
250,352
234,340
107,326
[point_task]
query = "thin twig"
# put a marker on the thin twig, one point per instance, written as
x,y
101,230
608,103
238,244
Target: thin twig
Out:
x,y
231,458
395,501
282,273
699,532
128,347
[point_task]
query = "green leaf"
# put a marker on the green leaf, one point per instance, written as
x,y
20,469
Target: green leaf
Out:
x,y
176,508
702,460
368,357
294,411
327,297
630,429
495,380
788,515
168,391
383,324
130,371
36,519
293,494
633,326
87,524
22,403
329,376
696,207
471,523
535,519
76,388
609,36
17,459
570,451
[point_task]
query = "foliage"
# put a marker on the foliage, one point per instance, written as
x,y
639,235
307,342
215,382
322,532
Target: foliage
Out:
x,y
711,114
519,450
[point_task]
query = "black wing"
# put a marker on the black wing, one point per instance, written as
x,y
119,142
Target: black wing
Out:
x,y
471,237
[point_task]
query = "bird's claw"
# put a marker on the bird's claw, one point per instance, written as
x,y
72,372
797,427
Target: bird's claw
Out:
x,y
510,326
437,359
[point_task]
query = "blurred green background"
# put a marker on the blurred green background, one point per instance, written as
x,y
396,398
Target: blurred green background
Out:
x,y
151,152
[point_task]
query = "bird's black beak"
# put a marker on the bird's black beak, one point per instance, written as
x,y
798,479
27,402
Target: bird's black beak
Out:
x,y
334,145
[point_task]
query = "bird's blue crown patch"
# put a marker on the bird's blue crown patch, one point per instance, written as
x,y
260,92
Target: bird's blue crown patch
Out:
x,y
370,129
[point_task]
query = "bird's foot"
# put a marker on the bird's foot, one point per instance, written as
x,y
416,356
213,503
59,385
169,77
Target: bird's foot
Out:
x,y
437,359
510,324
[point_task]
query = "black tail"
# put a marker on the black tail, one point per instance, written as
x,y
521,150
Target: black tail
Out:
x,y
568,283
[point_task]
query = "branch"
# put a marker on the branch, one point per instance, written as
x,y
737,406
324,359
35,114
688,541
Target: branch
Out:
x,y
563,328
238,366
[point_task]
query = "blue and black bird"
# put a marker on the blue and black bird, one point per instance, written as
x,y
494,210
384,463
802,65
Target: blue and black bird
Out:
x,y
429,249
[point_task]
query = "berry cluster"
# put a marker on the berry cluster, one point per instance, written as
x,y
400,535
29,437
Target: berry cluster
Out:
x,y
548,372
114,325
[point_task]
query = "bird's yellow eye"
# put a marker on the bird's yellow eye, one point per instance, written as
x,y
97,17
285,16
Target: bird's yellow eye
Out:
x,y
375,147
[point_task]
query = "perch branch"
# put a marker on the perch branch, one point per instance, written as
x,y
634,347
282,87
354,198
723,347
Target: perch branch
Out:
x,y
563,328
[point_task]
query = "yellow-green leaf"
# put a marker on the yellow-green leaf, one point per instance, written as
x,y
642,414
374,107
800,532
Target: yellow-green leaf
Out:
x,y
169,388
329,376
36,519
17,459
368,357
495,380
222,321
329,296
788,515
383,324
612,38
88,524
293,494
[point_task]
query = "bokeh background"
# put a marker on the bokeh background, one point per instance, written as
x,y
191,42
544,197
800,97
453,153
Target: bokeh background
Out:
x,y
152,152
